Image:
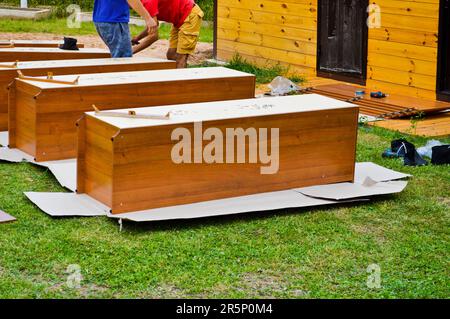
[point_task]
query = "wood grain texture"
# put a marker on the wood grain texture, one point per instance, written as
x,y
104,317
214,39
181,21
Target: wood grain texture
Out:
x,y
79,67
402,52
56,110
431,126
271,32
393,103
36,43
43,54
316,147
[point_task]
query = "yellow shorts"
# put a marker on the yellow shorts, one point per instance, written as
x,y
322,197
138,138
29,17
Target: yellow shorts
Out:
x,y
185,38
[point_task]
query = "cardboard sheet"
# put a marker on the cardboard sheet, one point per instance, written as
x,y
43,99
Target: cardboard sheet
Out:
x,y
346,191
4,138
70,204
67,204
14,155
376,172
6,218
65,171
229,206
370,180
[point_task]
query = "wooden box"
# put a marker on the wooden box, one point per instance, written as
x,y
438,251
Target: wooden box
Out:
x,y
127,163
35,43
64,67
42,115
42,54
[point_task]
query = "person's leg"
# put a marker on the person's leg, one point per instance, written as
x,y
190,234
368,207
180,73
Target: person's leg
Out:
x,y
122,41
105,32
188,36
173,43
117,38
182,60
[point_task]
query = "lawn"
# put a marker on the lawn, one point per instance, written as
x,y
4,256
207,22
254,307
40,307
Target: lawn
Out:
x,y
297,253
59,26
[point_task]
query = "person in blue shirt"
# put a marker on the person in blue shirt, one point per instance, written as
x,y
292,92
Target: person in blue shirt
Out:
x,y
111,19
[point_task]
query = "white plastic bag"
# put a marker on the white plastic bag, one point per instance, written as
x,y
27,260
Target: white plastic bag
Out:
x,y
280,86
427,149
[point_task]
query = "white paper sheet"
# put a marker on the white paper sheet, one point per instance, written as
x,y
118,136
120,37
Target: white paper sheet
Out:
x,y
6,218
376,172
67,204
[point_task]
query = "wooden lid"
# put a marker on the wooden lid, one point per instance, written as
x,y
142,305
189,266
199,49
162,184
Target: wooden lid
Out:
x,y
28,65
52,50
210,111
126,78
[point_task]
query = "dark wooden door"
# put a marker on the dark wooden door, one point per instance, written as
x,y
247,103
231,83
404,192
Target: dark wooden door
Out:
x,y
443,72
342,39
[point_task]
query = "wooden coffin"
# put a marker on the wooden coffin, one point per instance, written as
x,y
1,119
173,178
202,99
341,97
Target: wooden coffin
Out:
x,y
42,54
127,163
62,67
34,43
42,115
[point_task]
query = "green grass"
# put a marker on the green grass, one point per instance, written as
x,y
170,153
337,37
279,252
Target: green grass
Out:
x,y
59,26
59,6
297,253
263,74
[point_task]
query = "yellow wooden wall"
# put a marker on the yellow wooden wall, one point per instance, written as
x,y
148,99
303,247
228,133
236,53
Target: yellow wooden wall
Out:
x,y
402,54
269,32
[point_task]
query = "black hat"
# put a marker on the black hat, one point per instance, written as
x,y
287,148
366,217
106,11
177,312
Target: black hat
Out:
x,y
69,44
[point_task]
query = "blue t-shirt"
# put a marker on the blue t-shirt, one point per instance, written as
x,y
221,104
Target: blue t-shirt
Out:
x,y
111,11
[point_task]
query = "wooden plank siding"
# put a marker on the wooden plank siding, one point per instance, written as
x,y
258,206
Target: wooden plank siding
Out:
x,y
269,32
402,54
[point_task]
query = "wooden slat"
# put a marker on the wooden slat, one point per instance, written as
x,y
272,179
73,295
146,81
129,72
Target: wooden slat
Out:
x,y
408,8
291,68
300,8
37,43
412,66
391,103
278,31
267,41
279,19
430,126
38,54
402,50
269,53
404,78
395,34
